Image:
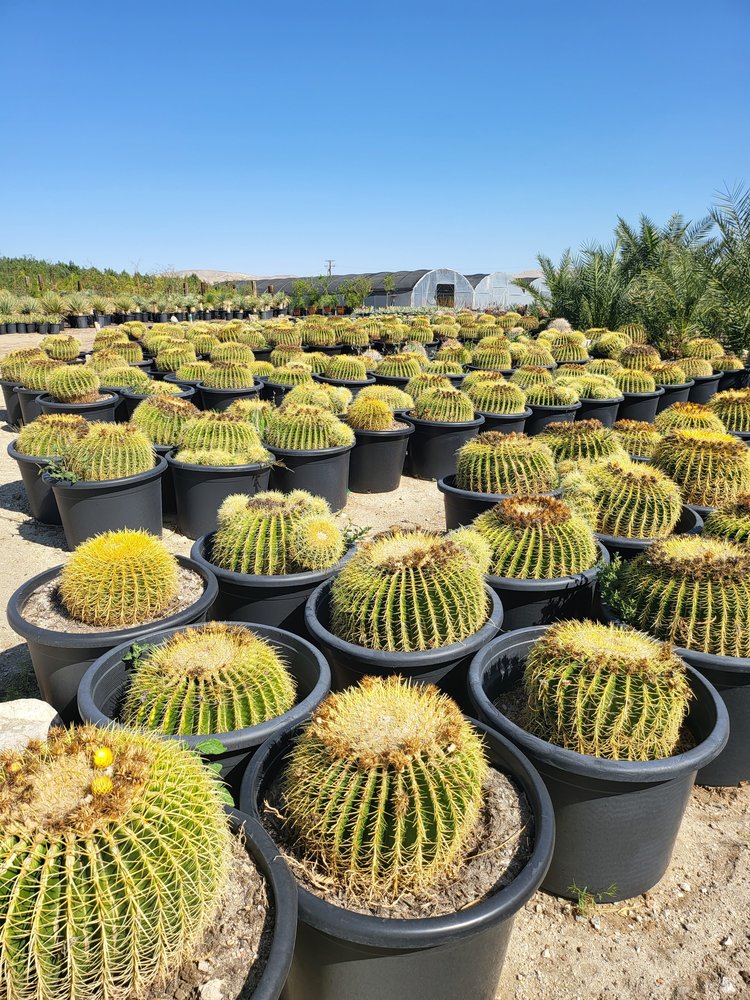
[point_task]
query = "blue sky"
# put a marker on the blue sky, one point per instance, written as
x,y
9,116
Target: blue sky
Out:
x,y
268,137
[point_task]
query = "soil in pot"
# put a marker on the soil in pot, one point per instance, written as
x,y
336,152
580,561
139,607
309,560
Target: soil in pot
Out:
x,y
101,410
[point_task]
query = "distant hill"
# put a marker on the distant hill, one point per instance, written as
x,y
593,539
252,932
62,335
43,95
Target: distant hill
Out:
x,y
213,277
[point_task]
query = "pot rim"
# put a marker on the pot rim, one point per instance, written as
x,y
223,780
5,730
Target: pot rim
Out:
x,y
602,402
406,430
91,640
255,387
303,453
676,385
355,383
236,738
426,932
417,660
510,417
445,485
644,395
585,765
110,400
457,425
40,460
567,408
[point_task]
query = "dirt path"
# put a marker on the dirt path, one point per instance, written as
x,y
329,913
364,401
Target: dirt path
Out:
x,y
689,939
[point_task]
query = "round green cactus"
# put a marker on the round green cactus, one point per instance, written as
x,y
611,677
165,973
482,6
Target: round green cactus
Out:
x,y
172,358
450,406
346,368
255,411
13,365
104,360
253,338
215,678
625,499
118,579
608,344
425,381
316,362
492,358
727,363
51,435
130,352
596,387
731,521
370,415
453,350
530,375
710,468
228,375
238,354
638,438
497,397
283,355
669,373
291,374
551,395
703,347
125,378
74,384
475,377
111,872
690,416
224,431
505,464
536,538
396,398
61,346
635,331
732,408
320,336
36,374
328,397
159,389
603,366
109,451
634,380
696,367
161,418
409,590
399,366
270,534
581,439
262,369
195,371
413,768
537,355
569,350
639,357
444,368
204,343
606,691
693,591
306,428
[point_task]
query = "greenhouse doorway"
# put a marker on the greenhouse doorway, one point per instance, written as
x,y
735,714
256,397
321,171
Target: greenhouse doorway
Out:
x,y
445,296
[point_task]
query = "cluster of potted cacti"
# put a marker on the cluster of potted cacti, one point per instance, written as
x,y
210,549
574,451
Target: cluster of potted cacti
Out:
x,y
371,796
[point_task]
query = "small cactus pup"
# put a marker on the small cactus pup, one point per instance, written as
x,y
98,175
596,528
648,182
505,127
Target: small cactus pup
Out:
x,y
129,823
731,521
118,579
710,468
691,590
583,439
505,465
688,416
161,418
51,435
404,591
606,691
733,409
109,451
625,499
536,538
271,534
414,769
215,678
638,437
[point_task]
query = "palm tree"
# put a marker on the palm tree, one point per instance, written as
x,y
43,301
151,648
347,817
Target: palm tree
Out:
x,y
641,249
731,265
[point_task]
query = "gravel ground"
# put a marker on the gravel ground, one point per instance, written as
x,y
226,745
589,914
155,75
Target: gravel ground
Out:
x,y
688,939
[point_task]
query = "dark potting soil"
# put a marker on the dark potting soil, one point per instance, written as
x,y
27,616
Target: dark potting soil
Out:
x,y
500,847
230,959
44,608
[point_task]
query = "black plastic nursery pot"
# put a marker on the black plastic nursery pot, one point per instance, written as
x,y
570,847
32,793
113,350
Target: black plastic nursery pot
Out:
x,y
353,387
168,503
104,685
13,415
733,380
674,394
324,472
640,405
398,380
266,600
616,820
690,523
704,387
604,410
222,399
39,493
199,491
507,372
462,506
433,446
274,392
377,459
132,399
102,410
343,955
543,415
89,508
730,676
28,400
541,602
121,409
60,659
505,423
445,666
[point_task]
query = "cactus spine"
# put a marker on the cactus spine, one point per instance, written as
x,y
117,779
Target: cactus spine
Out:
x,y
370,415
638,438
162,418
223,431
733,409
51,435
634,380
444,406
306,428
497,397
110,451
346,368
505,464
74,384
582,439
732,521
688,416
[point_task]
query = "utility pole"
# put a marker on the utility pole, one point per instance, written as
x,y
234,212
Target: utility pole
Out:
x,y
330,264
